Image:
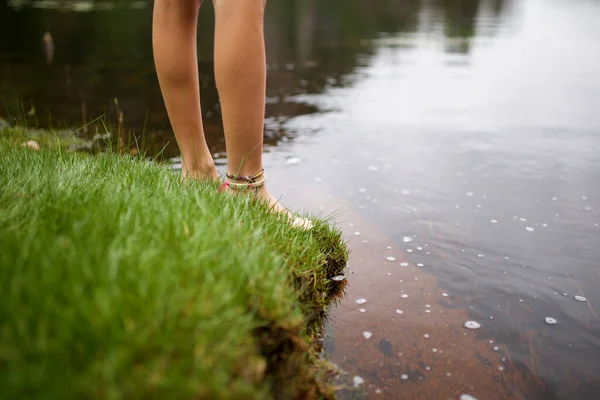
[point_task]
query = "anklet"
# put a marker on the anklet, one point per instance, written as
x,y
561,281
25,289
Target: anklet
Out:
x,y
252,182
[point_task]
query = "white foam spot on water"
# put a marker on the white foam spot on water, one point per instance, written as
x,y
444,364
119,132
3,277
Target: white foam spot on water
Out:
x,y
448,374
520,300
404,377
523,219
378,391
428,311
361,301
529,229
467,397
445,294
580,298
428,305
419,248
389,247
494,221
318,179
359,381
399,312
362,190
362,310
469,194
426,336
407,239
480,255
390,258
404,296
404,264
496,348
550,321
491,317
356,233
420,265
434,350
554,198
405,191
365,241
409,250
293,161
367,335
373,168
428,368
472,325
501,368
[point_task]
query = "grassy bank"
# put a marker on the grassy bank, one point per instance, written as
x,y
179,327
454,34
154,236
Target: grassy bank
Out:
x,y
117,281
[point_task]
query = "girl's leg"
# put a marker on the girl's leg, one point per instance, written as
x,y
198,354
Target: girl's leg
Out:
x,y
175,55
240,72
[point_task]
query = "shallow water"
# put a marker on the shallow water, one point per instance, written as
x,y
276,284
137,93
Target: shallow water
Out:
x,y
456,142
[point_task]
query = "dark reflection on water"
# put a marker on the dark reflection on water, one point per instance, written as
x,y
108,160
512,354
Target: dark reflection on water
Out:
x,y
104,53
472,124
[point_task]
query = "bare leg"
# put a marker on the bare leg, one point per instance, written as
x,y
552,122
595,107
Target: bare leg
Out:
x,y
175,55
240,72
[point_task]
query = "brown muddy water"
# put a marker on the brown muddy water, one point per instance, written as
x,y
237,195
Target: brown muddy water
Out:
x,y
456,142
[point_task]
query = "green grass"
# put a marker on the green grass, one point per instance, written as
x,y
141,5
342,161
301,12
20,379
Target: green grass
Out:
x,y
119,282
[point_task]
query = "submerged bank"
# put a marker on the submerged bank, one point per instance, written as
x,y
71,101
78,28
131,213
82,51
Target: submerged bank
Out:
x,y
119,281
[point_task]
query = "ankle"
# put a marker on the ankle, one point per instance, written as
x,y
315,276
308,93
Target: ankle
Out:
x,y
203,171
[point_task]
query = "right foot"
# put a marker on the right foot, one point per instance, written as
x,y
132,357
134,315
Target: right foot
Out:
x,y
261,193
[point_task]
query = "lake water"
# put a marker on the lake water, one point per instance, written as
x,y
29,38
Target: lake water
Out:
x,y
455,142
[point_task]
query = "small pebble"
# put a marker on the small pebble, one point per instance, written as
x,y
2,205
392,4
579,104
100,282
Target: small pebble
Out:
x,y
367,335
472,325
361,301
359,381
580,298
550,321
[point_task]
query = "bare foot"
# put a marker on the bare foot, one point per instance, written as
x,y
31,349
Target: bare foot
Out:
x,y
264,195
206,173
